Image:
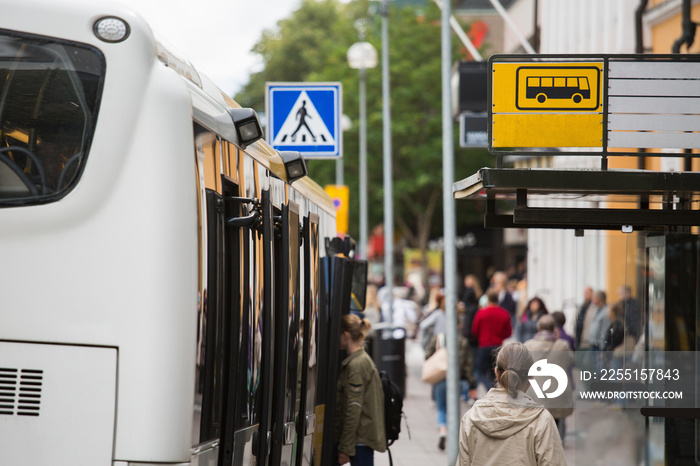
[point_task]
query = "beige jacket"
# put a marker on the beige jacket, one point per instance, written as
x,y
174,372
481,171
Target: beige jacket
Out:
x,y
503,431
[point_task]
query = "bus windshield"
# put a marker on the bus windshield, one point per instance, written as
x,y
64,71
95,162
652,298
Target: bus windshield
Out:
x,y
49,94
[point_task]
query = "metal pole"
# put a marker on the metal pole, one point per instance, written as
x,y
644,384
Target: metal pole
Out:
x,y
363,165
449,253
388,188
339,175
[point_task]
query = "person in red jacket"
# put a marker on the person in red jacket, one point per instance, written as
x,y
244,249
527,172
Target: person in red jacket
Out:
x,y
490,327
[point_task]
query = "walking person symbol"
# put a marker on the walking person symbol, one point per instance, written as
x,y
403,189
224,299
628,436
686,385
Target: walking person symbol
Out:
x,y
301,115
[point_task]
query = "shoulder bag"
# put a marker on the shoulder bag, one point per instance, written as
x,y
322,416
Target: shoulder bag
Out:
x,y
435,367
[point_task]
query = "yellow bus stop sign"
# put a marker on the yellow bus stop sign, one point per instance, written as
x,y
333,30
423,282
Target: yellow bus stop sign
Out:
x,y
552,104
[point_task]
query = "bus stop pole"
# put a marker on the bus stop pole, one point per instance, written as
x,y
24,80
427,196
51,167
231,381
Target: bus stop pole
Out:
x,y
388,188
449,252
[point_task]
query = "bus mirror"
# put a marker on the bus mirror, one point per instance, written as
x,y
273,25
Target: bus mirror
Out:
x,y
358,293
341,246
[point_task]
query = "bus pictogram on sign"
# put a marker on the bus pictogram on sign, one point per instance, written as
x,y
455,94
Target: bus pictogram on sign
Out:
x,y
572,88
575,88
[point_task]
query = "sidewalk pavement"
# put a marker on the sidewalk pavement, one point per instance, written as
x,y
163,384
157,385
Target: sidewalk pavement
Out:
x,y
422,447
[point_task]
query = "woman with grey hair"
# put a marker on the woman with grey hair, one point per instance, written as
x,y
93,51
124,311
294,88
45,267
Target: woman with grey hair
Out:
x,y
507,427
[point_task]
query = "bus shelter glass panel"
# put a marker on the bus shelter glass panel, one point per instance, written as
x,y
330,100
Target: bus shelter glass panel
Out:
x,y
630,302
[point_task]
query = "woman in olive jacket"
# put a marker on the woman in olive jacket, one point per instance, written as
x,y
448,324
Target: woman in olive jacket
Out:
x,y
359,419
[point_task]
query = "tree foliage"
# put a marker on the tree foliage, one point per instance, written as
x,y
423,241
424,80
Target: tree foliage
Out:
x,y
311,45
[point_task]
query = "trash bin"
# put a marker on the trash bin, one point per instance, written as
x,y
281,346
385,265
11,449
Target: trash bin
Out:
x,y
389,352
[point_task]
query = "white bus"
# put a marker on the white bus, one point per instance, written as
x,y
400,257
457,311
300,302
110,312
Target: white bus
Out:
x,y
164,272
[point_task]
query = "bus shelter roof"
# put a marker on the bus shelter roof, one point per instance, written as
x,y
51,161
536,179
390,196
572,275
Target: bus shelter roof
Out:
x,y
617,199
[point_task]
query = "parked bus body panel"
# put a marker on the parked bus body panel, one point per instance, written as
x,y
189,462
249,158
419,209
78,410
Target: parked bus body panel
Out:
x,y
118,258
135,290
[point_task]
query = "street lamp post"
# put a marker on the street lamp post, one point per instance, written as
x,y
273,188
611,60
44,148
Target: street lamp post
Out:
x,y
361,56
386,164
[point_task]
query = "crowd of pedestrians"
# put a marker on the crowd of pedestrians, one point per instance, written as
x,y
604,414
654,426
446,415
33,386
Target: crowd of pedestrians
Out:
x,y
490,321
501,334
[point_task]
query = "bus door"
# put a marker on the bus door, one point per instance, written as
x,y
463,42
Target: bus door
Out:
x,y
211,364
337,274
287,350
309,412
263,437
239,328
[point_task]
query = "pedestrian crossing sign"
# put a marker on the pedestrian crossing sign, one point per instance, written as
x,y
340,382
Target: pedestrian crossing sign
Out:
x,y
305,117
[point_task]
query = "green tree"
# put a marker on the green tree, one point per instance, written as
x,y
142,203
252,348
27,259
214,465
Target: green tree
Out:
x,y
311,45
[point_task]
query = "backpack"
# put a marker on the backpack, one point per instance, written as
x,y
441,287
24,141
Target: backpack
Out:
x,y
393,411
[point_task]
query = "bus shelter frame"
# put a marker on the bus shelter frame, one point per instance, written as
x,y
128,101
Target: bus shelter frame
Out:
x,y
676,192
